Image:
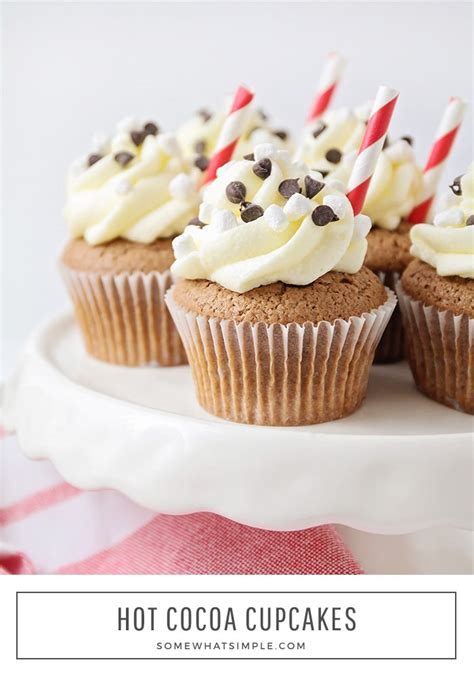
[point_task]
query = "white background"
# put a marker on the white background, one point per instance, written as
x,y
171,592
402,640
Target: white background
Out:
x,y
71,69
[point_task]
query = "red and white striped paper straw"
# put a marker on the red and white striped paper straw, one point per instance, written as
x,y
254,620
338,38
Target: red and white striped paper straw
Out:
x,y
330,77
444,139
232,129
371,146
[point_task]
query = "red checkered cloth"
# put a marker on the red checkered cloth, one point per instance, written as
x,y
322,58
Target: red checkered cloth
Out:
x,y
61,529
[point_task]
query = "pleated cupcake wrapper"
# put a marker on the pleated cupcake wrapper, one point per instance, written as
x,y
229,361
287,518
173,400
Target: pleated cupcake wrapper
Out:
x,y
124,318
280,374
440,352
392,344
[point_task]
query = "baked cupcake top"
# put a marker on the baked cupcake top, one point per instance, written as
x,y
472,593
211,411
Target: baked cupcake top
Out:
x,y
448,244
267,219
136,185
198,135
331,144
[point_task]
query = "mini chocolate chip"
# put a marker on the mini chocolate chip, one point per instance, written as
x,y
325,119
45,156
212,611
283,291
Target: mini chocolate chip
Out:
x,y
195,222
204,114
312,187
408,139
251,212
323,215
319,129
281,134
456,185
250,156
150,128
236,192
137,137
202,162
289,187
263,168
470,220
93,158
200,146
123,158
334,156
386,143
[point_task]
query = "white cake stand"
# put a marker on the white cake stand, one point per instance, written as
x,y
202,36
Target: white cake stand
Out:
x,y
399,464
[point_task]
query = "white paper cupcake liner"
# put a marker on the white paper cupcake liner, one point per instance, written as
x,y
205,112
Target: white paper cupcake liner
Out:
x,y
124,318
440,348
391,347
280,374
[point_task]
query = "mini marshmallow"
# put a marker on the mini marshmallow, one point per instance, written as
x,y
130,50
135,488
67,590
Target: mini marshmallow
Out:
x,y
362,225
301,166
183,245
276,218
205,212
450,217
263,150
337,203
122,186
314,174
129,124
222,220
399,152
260,136
169,144
181,187
335,184
297,206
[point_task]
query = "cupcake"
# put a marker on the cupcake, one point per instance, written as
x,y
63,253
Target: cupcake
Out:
x,y
436,294
126,201
198,135
278,316
330,144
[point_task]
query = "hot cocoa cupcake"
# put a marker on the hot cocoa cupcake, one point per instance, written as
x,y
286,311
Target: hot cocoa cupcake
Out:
x,y
126,202
436,295
278,316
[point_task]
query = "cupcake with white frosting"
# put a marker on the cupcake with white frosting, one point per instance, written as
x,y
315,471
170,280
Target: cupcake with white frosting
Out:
x,y
331,144
436,295
126,201
278,315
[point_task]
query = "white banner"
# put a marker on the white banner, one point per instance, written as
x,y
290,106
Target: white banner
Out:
x,y
236,625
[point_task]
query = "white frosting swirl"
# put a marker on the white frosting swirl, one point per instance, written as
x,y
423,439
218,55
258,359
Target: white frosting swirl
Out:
x,y
397,180
153,195
199,134
448,244
284,243
341,129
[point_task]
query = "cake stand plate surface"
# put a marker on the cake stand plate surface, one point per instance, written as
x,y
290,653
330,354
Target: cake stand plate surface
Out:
x,y
401,463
